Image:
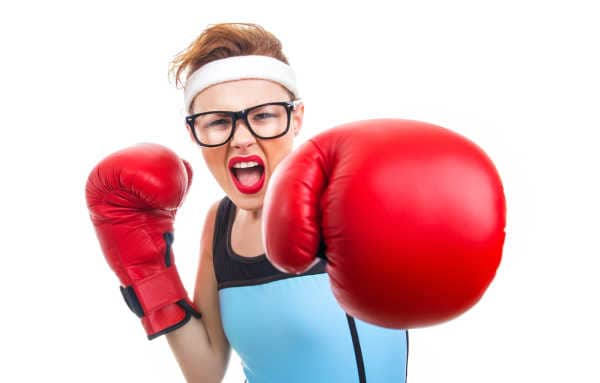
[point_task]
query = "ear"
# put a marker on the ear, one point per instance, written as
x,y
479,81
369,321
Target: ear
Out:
x,y
298,118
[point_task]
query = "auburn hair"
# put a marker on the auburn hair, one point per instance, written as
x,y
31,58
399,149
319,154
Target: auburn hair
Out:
x,y
224,40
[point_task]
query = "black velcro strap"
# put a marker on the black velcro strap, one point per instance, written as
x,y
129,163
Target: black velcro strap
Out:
x,y
132,300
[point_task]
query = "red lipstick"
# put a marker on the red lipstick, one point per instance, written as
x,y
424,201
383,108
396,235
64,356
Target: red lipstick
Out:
x,y
246,188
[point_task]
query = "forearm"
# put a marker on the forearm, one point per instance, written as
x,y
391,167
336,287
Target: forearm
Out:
x,y
199,360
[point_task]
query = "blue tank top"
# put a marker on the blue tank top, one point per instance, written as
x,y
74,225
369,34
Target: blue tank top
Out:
x,y
289,328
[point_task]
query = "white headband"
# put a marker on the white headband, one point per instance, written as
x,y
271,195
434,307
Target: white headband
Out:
x,y
237,68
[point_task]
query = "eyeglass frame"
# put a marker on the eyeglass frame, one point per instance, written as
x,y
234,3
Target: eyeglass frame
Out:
x,y
243,115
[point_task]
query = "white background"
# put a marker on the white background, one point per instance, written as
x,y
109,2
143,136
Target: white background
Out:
x,y
79,80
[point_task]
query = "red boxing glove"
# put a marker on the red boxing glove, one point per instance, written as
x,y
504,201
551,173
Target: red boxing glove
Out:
x,y
411,217
132,196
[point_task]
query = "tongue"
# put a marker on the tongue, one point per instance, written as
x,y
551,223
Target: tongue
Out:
x,y
248,176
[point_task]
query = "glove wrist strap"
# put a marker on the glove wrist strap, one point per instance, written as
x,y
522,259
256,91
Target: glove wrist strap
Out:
x,y
154,292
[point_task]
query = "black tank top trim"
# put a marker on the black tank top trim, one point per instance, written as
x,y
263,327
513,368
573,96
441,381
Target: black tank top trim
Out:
x,y
233,270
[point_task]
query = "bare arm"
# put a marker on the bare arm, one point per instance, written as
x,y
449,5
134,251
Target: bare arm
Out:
x,y
200,346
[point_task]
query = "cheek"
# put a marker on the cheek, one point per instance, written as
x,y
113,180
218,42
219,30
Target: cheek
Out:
x,y
277,153
214,160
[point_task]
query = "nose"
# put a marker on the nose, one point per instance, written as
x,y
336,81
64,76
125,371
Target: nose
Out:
x,y
242,137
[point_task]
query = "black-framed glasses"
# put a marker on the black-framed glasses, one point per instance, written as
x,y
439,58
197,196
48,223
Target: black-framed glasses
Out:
x,y
265,121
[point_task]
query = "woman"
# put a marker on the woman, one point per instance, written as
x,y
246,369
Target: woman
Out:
x,y
285,328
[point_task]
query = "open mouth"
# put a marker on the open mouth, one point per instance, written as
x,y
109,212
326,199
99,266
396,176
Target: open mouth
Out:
x,y
248,173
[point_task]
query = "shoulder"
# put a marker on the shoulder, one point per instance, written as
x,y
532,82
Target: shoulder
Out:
x,y
206,279
209,226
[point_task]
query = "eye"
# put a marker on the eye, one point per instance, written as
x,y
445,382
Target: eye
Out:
x,y
219,122
264,115
215,121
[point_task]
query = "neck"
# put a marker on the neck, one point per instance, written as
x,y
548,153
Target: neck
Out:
x,y
250,216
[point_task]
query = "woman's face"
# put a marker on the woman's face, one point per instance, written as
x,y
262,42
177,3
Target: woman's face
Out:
x,y
242,185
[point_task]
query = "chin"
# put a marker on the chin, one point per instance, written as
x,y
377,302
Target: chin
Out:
x,y
247,202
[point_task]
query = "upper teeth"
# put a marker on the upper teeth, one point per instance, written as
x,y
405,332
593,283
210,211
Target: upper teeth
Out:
x,y
248,164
